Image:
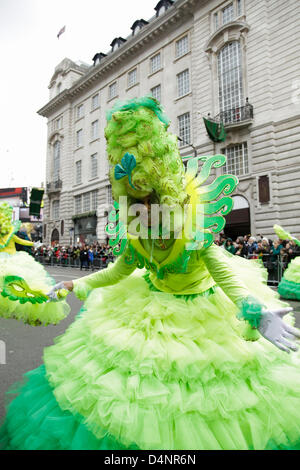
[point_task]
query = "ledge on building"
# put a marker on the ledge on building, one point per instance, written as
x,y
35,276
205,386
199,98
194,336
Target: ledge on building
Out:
x,y
84,215
54,186
237,117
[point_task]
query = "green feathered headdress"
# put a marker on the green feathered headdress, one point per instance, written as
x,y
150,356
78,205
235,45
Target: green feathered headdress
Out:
x,y
146,101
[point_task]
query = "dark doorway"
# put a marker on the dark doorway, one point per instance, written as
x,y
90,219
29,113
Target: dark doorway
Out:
x,y
238,220
54,237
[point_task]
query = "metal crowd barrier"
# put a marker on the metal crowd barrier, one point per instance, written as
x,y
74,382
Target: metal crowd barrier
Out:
x,y
72,262
274,264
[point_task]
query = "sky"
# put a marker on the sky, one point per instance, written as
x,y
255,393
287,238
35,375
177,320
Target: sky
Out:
x,y
30,52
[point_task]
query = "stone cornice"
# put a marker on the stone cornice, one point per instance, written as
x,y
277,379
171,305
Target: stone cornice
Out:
x,y
149,33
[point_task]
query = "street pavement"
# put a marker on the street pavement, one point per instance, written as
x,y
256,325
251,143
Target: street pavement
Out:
x,y
24,344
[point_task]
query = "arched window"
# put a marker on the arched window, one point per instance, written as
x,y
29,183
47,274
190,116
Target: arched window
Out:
x,y
56,160
230,76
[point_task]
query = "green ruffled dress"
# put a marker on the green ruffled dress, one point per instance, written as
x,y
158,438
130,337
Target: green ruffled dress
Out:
x,y
157,359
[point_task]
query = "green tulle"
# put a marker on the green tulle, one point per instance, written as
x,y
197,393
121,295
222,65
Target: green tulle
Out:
x,y
289,290
35,422
163,373
292,273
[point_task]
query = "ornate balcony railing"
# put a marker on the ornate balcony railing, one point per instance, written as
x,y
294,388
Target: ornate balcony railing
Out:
x,y
238,114
54,186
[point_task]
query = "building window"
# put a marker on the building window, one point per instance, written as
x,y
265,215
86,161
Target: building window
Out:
x,y
184,129
155,63
58,123
78,172
264,189
79,138
62,227
112,90
237,159
94,200
132,78
182,46
78,207
183,83
110,199
95,129
95,102
227,14
216,21
56,160
230,76
55,210
156,92
79,111
94,165
45,231
86,202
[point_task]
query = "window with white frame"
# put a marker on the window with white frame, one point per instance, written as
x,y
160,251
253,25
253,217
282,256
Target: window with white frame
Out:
x,y
183,83
95,129
132,77
55,210
94,165
156,92
95,101
94,202
182,46
78,204
56,160
58,123
184,129
86,202
237,159
230,78
155,63
79,138
229,13
112,90
79,111
78,172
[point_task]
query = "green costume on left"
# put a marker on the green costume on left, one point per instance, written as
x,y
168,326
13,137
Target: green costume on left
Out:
x,y
157,358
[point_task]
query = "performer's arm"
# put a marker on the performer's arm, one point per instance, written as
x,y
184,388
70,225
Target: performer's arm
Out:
x,y
21,241
106,277
268,322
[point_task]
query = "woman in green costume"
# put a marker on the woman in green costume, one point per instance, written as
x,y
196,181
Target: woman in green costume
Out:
x,y
289,286
24,283
157,358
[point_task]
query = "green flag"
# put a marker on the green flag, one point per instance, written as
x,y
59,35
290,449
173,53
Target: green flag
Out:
x,y
36,197
215,130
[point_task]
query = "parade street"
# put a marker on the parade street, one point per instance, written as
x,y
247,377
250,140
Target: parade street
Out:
x,y
24,344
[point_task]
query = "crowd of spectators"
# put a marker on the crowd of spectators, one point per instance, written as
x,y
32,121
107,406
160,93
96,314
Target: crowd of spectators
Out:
x,y
273,254
93,256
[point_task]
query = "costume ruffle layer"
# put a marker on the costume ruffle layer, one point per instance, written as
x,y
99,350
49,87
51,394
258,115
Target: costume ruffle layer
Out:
x,y
36,422
23,266
289,290
292,273
162,373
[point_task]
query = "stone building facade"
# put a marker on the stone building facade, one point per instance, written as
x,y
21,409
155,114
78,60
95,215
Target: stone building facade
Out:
x,y
235,60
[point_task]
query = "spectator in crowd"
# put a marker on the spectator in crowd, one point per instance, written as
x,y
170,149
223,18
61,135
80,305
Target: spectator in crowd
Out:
x,y
229,246
91,258
84,258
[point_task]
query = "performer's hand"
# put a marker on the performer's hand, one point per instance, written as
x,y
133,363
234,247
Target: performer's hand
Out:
x,y
274,329
59,291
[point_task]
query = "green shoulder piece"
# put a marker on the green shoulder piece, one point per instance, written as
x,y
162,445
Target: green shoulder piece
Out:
x,y
14,228
16,288
116,230
284,235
